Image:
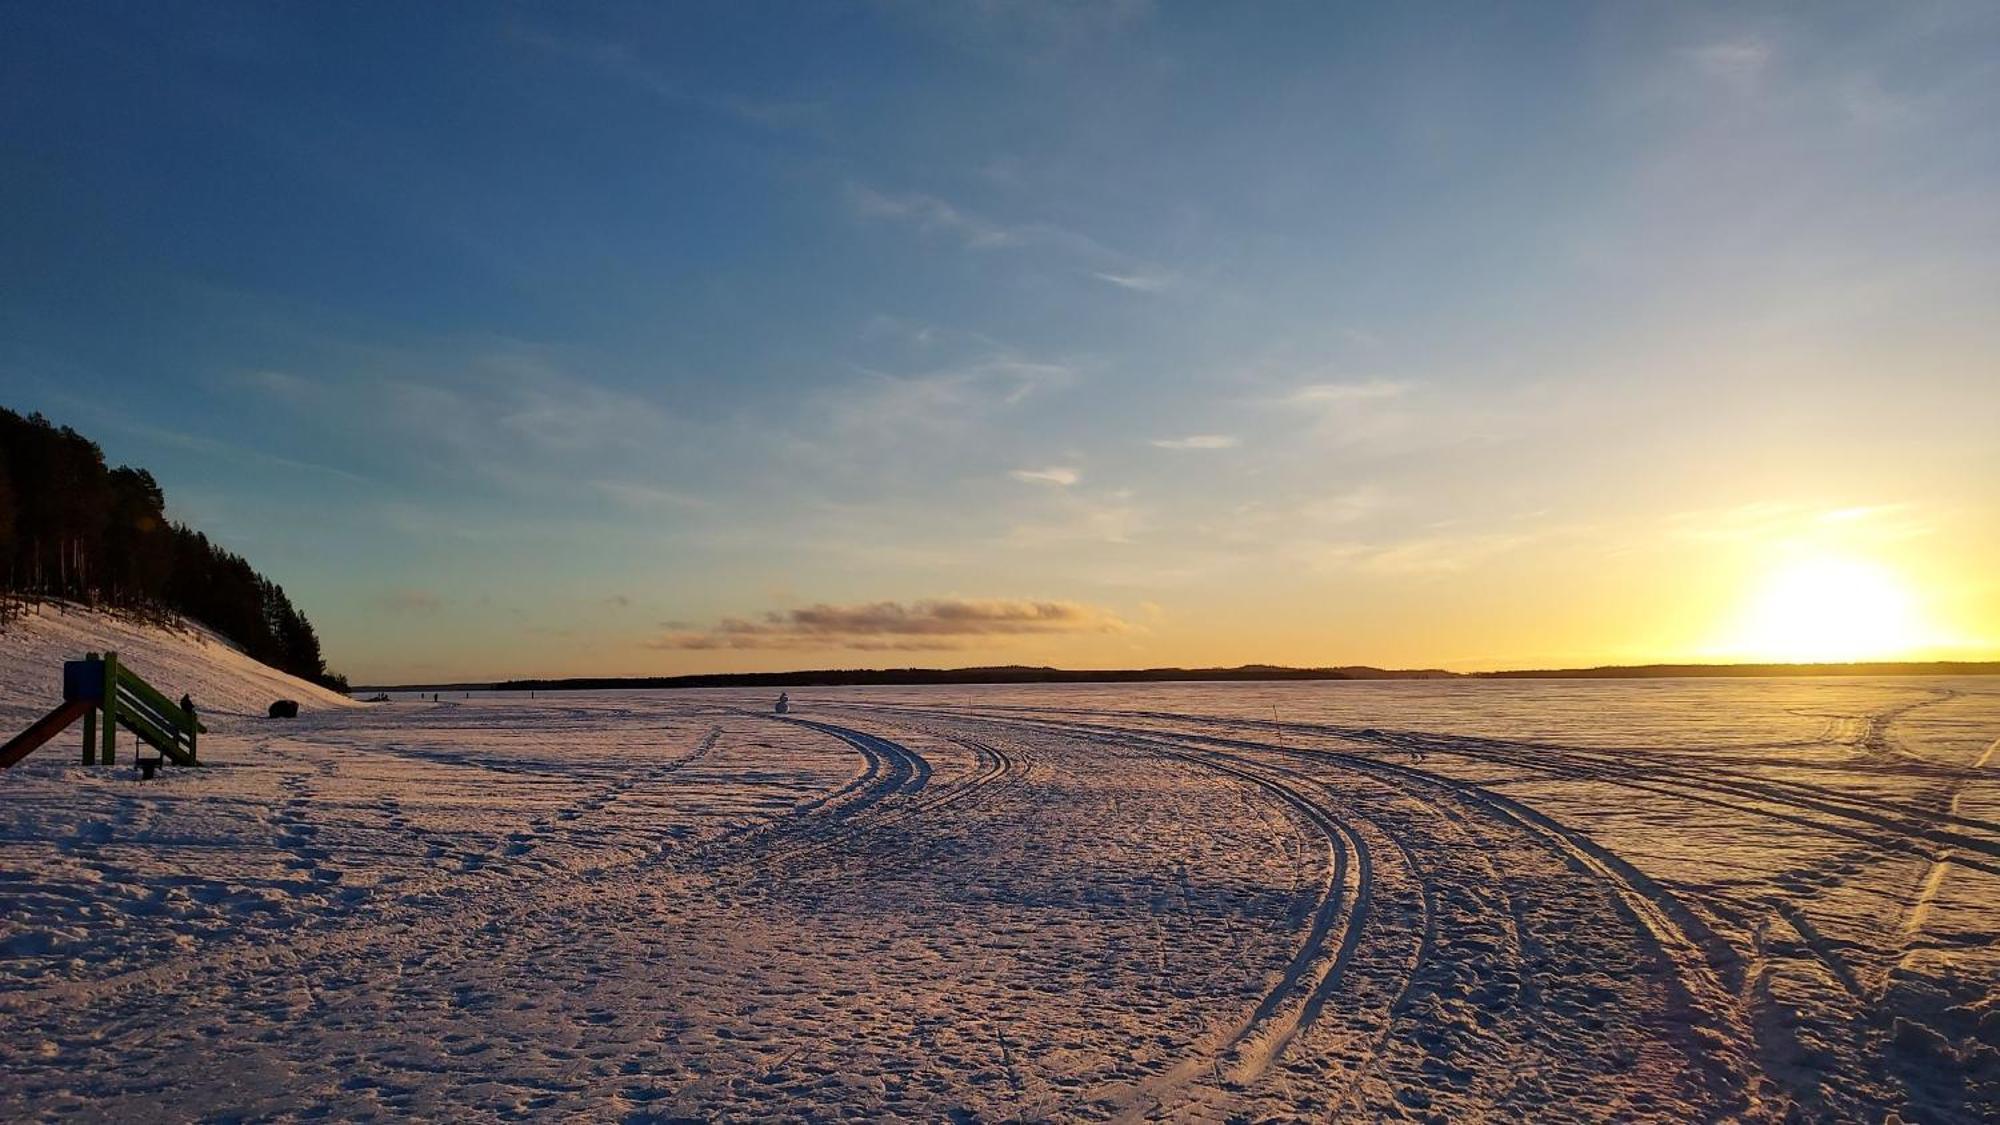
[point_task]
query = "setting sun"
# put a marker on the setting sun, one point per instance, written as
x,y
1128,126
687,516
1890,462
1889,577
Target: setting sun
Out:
x,y
1830,608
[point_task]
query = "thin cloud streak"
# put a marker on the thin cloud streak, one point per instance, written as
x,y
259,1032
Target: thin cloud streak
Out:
x,y
1371,390
646,496
1138,282
1058,475
931,215
936,217
229,451
618,61
927,625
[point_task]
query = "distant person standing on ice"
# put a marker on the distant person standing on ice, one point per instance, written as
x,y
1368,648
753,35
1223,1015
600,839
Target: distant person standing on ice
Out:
x,y
784,703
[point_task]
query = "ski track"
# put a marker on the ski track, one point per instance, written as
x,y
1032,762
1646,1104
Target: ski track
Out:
x,y
912,909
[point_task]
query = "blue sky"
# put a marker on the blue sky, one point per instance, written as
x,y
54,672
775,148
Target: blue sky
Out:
x,y
631,338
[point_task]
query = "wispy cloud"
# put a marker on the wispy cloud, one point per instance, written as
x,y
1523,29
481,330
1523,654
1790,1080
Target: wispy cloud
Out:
x,y
646,496
620,62
1348,506
1373,415
930,624
1261,524
1198,441
515,418
488,409
932,215
229,451
1368,390
1138,282
277,384
542,405
884,433
912,334
1080,519
1030,31
884,406
1773,521
1738,63
1061,476
1421,556
941,218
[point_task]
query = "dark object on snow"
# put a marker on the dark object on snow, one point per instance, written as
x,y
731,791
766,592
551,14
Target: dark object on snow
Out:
x,y
285,709
148,765
187,704
378,697
784,703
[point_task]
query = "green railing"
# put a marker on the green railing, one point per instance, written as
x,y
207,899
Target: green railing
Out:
x,y
145,711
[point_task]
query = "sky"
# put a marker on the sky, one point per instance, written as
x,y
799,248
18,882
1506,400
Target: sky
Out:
x,y
553,339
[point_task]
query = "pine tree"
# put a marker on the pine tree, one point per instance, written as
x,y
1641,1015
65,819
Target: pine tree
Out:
x,y
72,528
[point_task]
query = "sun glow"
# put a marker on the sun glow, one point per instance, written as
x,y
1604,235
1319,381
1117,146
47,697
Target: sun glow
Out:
x,y
1823,608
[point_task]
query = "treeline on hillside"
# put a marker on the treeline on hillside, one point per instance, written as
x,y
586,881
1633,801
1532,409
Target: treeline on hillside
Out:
x,y
72,528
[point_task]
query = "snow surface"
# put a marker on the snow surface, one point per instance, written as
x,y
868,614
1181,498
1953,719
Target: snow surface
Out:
x,y
189,659
1444,901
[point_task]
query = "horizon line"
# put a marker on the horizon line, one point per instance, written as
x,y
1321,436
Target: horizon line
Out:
x,y
1240,673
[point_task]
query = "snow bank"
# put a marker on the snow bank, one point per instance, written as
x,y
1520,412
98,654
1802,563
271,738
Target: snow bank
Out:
x,y
191,659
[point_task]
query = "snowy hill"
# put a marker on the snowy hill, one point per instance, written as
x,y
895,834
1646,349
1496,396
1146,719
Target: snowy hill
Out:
x,y
223,681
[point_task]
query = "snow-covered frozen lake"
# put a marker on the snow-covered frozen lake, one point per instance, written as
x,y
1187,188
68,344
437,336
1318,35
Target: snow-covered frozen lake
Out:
x,y
1450,901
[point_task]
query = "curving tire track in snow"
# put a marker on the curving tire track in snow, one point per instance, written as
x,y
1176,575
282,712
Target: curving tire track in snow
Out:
x,y
1912,829
1256,1041
905,773
1699,1009
889,770
1684,949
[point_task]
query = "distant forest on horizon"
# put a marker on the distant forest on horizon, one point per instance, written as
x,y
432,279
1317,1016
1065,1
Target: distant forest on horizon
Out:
x,y
1246,673
73,528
